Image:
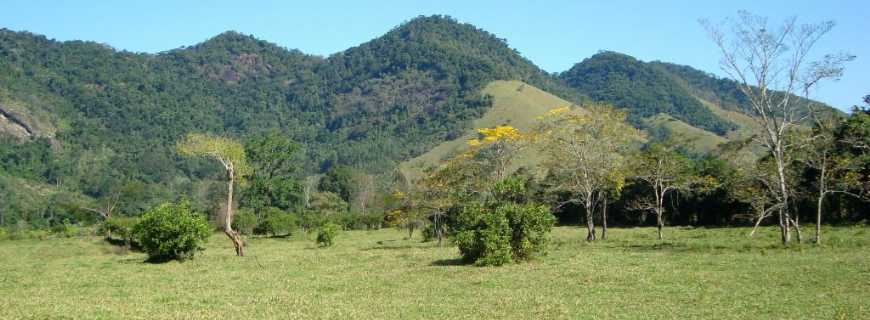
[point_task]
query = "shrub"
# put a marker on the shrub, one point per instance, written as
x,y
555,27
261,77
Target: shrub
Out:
x,y
483,236
120,227
530,227
244,221
510,232
430,232
326,234
64,229
310,220
277,222
171,231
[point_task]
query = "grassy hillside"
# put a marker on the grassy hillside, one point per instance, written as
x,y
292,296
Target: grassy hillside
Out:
x,y
693,274
514,103
701,140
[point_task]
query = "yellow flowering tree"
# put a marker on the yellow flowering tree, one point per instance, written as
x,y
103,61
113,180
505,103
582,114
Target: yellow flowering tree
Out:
x,y
496,146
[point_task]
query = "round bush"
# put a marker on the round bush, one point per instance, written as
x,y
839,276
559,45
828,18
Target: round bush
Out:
x,y
483,237
530,227
171,231
326,234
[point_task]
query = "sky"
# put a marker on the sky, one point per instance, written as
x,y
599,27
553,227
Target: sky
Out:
x,y
552,34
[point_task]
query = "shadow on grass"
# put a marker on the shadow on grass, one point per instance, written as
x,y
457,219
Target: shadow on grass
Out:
x,y
449,263
393,247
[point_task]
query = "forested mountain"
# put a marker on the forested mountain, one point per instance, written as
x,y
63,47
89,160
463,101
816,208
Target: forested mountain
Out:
x,y
84,117
98,118
645,89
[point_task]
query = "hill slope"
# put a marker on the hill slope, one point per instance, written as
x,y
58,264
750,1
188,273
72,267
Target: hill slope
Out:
x,y
514,103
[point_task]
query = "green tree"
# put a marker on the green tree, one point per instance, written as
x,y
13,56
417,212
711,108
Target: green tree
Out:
x,y
338,180
231,155
274,180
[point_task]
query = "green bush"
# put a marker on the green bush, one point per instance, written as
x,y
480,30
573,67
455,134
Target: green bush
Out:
x,y
64,229
120,227
326,234
483,236
244,221
530,229
430,232
510,232
277,222
171,231
310,220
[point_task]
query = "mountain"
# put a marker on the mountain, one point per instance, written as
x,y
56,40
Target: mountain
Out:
x,y
84,118
643,88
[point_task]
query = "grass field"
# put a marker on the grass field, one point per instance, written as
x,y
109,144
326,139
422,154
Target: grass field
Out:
x,y
694,273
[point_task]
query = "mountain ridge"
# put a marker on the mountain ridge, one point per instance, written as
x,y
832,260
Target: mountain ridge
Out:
x,y
371,106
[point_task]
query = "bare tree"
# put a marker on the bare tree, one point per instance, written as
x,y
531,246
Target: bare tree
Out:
x,y
664,170
586,150
108,205
770,65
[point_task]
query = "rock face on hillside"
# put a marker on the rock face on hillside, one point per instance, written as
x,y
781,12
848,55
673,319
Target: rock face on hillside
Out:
x,y
10,124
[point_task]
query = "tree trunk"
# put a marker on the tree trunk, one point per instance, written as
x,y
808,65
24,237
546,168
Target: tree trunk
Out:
x,y
818,238
783,187
784,227
234,236
438,226
603,218
797,227
660,223
761,216
590,225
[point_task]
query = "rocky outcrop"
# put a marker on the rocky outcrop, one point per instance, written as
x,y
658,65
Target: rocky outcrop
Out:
x,y
14,125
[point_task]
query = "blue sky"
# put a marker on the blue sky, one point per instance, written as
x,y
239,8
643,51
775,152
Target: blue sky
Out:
x,y
553,34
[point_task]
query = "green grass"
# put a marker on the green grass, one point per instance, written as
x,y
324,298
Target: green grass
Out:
x,y
694,273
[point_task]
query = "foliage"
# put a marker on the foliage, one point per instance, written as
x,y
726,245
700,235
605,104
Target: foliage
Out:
x,y
588,154
120,227
530,227
326,234
494,149
505,233
230,153
328,203
274,180
642,88
338,180
483,236
171,231
245,221
277,223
